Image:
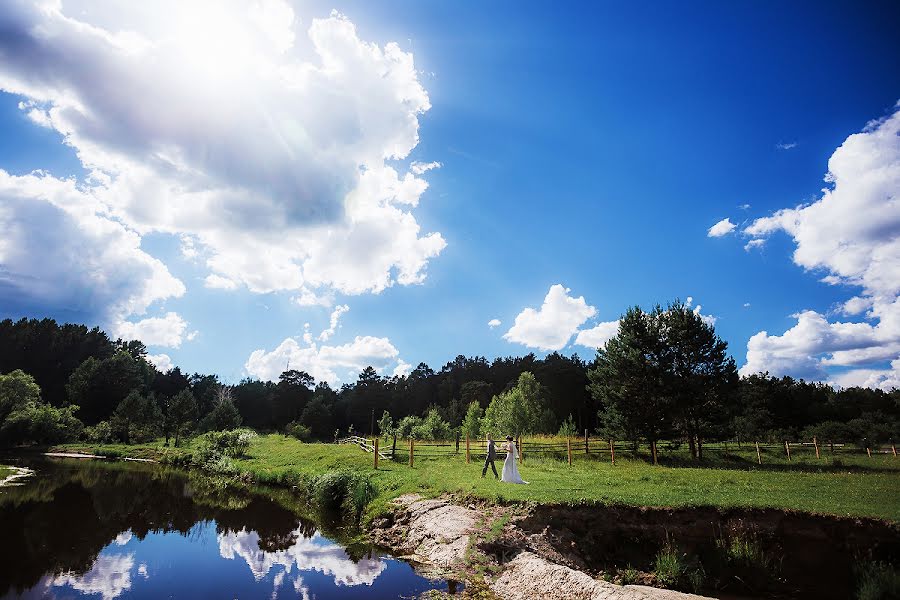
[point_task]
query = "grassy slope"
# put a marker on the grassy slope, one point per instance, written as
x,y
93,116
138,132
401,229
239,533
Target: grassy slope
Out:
x,y
801,486
5,472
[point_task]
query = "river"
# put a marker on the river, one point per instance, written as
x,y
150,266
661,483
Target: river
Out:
x,y
95,529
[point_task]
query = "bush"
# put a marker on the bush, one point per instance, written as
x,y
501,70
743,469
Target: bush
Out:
x,y
567,429
298,430
339,490
101,433
214,450
669,566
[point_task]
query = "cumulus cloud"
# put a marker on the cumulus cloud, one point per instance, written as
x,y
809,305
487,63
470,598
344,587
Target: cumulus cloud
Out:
x,y
494,323
852,235
402,369
324,362
162,362
268,146
59,251
597,336
723,227
552,325
168,331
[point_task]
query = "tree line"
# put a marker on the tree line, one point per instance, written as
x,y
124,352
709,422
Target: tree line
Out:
x,y
665,375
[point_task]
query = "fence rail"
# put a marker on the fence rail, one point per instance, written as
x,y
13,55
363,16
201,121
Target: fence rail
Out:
x,y
589,447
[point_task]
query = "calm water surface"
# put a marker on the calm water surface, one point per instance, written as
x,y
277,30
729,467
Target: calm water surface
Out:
x,y
87,529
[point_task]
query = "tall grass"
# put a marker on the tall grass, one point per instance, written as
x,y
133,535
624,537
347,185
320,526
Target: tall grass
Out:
x,y
282,460
878,581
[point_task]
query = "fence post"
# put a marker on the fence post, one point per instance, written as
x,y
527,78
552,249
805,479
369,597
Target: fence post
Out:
x,y
411,451
569,448
758,455
376,454
787,449
587,449
612,452
467,448
653,451
394,448
457,442
521,452
816,444
831,444
869,451
894,449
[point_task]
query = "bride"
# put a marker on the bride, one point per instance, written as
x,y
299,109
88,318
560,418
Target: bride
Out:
x,y
510,470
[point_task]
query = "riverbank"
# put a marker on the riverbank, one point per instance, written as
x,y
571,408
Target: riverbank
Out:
x,y
561,523
830,490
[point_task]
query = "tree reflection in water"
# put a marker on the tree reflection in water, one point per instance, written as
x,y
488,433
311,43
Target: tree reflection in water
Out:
x,y
81,526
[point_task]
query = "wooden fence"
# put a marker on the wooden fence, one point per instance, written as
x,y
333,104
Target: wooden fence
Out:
x,y
599,449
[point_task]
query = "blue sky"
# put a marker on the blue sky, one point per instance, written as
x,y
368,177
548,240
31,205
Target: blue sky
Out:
x,y
592,148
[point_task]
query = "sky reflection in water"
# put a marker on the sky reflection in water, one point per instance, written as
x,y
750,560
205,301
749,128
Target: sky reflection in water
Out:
x,y
174,541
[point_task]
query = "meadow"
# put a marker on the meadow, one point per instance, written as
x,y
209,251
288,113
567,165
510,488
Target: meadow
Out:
x,y
849,484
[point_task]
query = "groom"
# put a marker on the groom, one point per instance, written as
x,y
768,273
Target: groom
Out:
x,y
490,458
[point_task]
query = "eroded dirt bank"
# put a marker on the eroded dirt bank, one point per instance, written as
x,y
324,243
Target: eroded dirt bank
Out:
x,y
444,539
748,552
584,552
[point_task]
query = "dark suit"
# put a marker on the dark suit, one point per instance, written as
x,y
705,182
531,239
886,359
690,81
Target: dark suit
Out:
x,y
489,459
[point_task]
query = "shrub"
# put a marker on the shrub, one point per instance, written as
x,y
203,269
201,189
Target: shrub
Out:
x,y
669,566
101,433
234,443
343,490
298,430
567,429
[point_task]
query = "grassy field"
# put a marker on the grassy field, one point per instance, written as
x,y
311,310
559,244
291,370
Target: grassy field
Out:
x,y
850,485
5,472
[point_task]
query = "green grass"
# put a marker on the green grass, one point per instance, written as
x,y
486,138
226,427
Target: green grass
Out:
x,y
5,472
858,487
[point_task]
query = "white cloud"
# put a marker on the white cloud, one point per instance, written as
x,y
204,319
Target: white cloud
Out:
x,y
757,243
167,331
786,145
402,369
418,167
553,325
746,305
723,227
494,323
123,538
266,145
162,362
109,576
708,319
597,336
59,251
326,363
851,234
333,322
313,553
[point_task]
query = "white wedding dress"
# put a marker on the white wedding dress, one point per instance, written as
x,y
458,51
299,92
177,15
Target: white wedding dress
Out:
x,y
510,468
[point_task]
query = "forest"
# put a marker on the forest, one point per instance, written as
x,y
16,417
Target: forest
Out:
x,y
665,376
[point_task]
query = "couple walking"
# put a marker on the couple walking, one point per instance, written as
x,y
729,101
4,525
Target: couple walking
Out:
x,y
510,470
